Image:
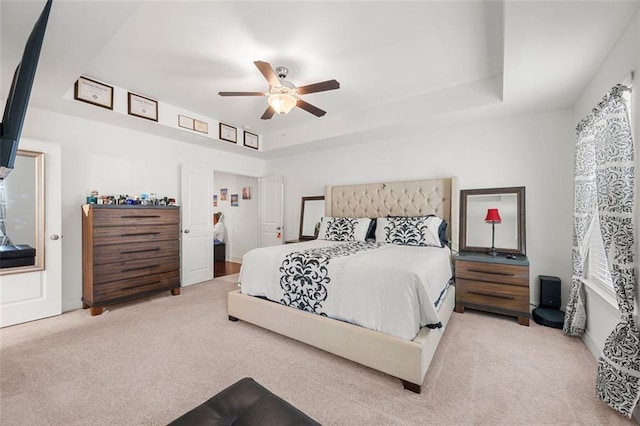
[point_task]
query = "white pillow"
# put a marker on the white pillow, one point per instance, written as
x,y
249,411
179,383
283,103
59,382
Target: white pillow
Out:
x,y
343,228
410,231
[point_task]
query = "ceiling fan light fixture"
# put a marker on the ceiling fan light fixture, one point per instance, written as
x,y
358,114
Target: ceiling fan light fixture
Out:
x,y
282,103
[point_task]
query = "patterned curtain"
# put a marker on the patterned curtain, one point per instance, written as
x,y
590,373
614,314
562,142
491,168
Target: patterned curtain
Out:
x,y
584,213
4,239
606,167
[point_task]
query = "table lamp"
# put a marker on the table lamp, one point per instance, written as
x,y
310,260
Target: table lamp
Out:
x,y
493,216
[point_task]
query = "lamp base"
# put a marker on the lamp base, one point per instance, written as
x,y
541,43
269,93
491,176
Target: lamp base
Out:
x,y
493,253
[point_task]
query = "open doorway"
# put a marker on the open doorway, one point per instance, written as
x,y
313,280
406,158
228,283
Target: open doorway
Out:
x,y
235,199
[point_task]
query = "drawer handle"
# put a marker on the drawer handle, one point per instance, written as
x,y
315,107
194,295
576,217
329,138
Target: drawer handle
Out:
x,y
138,268
134,234
140,251
138,286
509,274
499,296
139,216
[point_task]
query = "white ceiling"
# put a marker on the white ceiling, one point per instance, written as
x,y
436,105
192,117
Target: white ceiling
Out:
x,y
402,66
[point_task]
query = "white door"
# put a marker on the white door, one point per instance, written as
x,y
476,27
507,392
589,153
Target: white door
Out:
x,y
271,231
197,225
28,296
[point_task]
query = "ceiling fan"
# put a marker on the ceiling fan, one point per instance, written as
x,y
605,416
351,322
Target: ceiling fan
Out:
x,y
283,95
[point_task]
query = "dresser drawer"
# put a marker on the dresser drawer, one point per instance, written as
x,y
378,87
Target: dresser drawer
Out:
x,y
103,254
131,216
134,268
134,234
503,296
491,272
131,287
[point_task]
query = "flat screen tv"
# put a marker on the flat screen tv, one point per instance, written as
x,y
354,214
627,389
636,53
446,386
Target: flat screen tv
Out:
x,y
18,97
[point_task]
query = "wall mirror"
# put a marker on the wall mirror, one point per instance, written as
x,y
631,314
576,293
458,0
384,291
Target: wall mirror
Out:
x,y
311,212
23,210
476,234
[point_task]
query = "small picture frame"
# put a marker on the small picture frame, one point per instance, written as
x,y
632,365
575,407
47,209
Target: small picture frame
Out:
x,y
228,133
234,200
185,122
223,194
93,92
250,140
201,126
246,193
215,200
142,107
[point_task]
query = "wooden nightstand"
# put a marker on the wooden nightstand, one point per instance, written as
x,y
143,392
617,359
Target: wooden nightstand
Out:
x,y
493,284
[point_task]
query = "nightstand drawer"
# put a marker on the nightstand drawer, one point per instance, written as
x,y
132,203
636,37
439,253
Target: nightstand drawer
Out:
x,y
508,297
493,273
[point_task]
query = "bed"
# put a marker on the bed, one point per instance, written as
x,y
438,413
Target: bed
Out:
x,y
396,354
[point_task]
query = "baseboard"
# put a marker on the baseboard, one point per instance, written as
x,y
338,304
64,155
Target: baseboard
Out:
x,y
235,259
71,304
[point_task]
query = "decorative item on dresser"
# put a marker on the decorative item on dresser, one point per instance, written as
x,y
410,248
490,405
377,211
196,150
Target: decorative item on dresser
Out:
x,y
498,284
128,252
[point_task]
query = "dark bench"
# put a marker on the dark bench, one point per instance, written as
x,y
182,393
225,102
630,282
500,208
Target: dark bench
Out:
x,y
244,403
219,252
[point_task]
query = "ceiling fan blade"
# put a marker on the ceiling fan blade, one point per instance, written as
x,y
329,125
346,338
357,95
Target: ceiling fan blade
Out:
x,y
318,87
242,94
310,108
268,113
268,73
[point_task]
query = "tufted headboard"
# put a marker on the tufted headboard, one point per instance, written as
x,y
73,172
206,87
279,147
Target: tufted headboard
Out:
x,y
408,198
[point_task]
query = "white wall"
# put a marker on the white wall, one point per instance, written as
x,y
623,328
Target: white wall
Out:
x,y
115,160
535,151
241,222
623,58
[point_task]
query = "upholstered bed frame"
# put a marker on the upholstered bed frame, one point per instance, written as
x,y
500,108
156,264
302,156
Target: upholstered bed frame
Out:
x,y
406,360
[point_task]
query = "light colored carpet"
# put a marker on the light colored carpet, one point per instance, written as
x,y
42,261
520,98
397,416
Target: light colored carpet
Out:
x,y
150,361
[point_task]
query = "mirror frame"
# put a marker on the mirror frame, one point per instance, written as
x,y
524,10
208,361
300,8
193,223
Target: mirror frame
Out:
x,y
520,196
302,237
39,224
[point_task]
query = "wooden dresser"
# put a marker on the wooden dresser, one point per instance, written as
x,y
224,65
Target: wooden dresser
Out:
x,y
494,284
128,252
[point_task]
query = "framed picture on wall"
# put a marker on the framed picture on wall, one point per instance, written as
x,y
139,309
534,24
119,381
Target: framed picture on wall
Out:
x,y
228,133
143,107
92,92
201,126
215,200
185,122
234,200
246,193
250,140
223,194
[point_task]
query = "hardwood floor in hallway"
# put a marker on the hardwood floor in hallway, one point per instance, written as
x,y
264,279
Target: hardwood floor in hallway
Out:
x,y
221,269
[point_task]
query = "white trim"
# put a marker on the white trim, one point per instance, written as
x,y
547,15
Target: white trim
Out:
x,y
604,295
591,344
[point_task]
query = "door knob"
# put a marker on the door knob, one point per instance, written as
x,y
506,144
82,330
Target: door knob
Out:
x,y
186,231
54,237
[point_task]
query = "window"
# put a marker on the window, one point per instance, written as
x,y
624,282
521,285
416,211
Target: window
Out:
x,y
597,269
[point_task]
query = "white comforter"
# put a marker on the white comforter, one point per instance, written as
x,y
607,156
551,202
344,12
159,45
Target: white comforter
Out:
x,y
384,287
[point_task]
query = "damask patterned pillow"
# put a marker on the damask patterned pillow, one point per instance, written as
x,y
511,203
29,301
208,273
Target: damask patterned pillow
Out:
x,y
343,228
412,231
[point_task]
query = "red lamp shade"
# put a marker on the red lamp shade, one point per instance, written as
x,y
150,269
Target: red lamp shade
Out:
x,y
493,216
